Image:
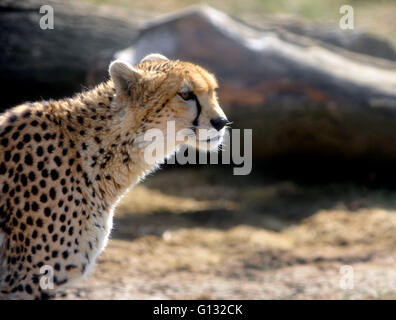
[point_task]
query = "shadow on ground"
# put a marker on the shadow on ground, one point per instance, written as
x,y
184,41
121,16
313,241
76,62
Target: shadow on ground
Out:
x,y
190,234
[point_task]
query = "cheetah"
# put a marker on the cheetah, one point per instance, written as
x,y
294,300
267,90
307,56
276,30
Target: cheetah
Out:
x,y
65,164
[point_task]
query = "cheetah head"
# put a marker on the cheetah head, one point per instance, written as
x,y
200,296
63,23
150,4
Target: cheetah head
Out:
x,y
159,91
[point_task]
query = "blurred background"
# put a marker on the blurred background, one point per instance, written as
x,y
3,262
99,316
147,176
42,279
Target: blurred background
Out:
x,y
321,103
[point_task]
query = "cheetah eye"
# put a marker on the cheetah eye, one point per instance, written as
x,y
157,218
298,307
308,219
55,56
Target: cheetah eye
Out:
x,y
189,95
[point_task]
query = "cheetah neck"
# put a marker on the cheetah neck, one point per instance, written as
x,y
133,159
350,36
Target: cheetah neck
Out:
x,y
107,149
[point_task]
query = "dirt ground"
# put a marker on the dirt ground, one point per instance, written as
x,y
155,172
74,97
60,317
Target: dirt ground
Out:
x,y
205,234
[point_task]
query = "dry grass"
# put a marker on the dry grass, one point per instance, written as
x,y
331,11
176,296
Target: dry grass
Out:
x,y
211,235
144,200
374,226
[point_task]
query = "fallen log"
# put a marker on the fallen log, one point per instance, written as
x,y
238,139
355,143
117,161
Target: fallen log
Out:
x,y
301,100
329,36
39,64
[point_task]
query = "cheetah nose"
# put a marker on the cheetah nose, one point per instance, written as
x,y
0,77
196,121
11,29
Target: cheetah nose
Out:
x,y
219,123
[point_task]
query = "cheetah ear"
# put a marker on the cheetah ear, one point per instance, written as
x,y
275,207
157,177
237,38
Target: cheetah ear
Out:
x,y
154,57
124,76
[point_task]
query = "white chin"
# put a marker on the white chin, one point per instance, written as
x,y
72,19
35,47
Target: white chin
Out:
x,y
210,144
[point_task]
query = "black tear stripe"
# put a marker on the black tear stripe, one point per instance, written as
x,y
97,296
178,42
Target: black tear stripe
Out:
x,y
199,109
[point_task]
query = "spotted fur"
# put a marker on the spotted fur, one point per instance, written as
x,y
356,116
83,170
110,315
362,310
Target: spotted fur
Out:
x,y
65,164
